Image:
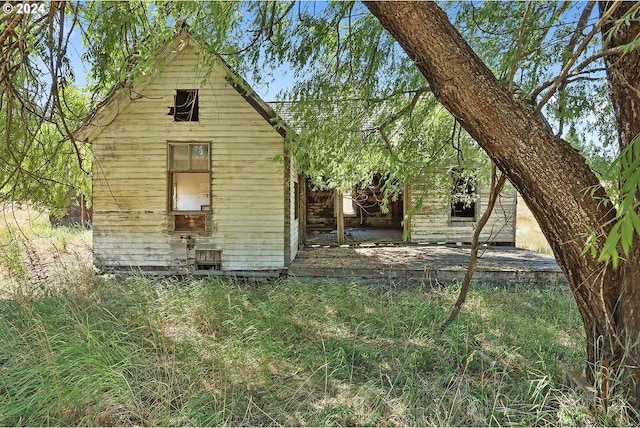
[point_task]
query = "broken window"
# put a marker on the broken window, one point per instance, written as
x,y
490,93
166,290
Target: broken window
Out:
x,y
190,185
463,197
185,106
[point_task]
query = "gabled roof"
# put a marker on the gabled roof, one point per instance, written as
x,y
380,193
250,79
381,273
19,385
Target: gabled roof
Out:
x,y
121,94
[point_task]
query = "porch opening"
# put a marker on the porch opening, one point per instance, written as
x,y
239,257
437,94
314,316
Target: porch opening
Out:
x,y
368,216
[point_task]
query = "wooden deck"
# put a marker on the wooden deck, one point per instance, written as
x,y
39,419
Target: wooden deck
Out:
x,y
355,235
429,264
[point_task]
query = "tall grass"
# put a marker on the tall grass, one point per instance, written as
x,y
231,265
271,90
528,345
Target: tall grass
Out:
x,y
207,352
34,255
82,349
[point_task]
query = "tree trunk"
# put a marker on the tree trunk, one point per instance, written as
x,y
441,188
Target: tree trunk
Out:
x,y
623,74
562,192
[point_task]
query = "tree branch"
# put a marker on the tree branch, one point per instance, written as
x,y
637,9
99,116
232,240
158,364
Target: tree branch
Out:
x,y
567,67
407,109
514,66
495,188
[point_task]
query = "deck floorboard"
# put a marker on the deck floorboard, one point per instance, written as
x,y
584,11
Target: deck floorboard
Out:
x,y
436,264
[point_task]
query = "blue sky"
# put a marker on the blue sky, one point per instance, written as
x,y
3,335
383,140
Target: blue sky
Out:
x,y
75,51
81,70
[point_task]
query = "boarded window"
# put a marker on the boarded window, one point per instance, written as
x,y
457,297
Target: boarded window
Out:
x,y
209,259
463,197
189,185
185,107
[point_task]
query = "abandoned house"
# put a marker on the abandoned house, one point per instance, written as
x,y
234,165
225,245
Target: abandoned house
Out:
x,y
195,177
360,216
189,176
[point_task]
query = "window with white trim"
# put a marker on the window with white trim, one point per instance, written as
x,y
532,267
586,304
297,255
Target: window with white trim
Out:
x,y
189,186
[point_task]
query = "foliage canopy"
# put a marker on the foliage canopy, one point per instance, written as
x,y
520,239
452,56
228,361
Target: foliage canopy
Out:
x,y
364,105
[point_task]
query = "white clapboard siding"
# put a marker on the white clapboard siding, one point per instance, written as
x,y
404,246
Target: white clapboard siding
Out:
x,y
294,230
248,220
432,223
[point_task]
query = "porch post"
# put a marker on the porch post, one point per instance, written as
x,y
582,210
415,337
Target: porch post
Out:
x,y
339,216
406,208
302,210
83,211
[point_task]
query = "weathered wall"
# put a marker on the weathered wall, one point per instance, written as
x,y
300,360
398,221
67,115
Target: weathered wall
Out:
x,y
130,195
320,208
432,221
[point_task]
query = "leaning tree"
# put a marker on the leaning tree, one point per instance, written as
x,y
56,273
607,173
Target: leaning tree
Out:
x,y
383,68
564,194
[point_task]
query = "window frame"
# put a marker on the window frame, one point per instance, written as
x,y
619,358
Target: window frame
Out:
x,y
182,114
470,182
174,213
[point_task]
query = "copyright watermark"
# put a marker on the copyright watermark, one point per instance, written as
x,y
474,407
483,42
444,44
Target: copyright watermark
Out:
x,y
24,8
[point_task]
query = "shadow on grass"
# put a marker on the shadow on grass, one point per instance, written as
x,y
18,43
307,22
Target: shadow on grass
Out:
x,y
142,351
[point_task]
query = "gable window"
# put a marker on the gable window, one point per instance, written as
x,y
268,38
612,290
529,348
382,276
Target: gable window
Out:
x,y
185,106
463,197
189,185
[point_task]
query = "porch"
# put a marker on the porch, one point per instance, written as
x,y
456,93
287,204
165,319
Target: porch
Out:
x,y
433,265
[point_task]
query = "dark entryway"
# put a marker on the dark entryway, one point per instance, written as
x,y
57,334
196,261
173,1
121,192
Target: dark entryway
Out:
x,y
364,214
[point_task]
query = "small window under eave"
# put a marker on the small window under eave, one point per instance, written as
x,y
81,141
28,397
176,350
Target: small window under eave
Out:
x,y
185,108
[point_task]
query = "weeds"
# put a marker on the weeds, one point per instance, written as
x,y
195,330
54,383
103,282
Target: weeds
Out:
x,y
81,349
210,352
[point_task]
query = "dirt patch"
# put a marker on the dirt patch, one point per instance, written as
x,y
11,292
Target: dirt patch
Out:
x,y
33,251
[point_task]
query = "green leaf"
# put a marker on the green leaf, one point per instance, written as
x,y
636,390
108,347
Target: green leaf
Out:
x,y
635,220
609,250
626,233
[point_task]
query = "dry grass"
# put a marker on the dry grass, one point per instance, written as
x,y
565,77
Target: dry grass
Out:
x,y
144,351
95,350
31,251
528,233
